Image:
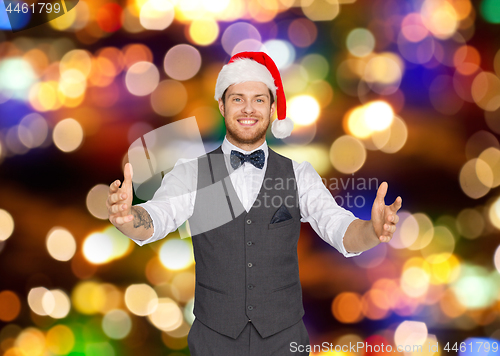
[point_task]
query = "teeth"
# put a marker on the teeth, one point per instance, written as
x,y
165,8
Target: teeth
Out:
x,y
247,122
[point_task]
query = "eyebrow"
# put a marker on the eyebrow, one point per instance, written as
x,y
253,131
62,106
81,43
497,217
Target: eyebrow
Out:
x,y
239,94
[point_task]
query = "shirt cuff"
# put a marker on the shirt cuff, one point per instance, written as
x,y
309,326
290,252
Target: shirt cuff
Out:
x,y
153,216
344,225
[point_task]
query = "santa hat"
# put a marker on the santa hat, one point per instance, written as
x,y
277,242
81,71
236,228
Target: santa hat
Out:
x,y
257,67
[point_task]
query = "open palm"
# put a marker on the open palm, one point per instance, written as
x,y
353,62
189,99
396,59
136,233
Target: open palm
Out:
x,y
384,218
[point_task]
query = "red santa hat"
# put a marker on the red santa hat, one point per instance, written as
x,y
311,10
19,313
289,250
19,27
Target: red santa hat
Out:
x,y
257,67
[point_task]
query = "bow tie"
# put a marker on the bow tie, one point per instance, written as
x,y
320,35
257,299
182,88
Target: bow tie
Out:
x,y
256,158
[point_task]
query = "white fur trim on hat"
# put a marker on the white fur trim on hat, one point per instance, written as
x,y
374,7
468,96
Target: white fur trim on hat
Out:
x,y
282,128
243,70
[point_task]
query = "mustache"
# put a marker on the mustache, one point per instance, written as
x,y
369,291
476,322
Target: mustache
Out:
x,y
248,117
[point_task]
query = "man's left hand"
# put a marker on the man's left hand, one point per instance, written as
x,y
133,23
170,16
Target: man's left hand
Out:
x,y
384,218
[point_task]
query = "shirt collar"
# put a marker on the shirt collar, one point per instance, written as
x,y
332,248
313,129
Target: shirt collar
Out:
x,y
228,146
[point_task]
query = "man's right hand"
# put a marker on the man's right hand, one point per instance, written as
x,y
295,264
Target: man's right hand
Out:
x,y
119,202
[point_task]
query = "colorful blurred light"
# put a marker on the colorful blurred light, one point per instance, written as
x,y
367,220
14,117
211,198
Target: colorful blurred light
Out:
x,y
496,259
58,301
467,60
96,201
67,135
116,324
282,52
441,247
167,316
88,297
491,156
109,16
78,59
98,248
410,333
486,91
490,9
378,115
10,306
474,289
182,62
6,225
415,282
413,28
494,213
321,10
157,15
347,154
204,32
176,254
61,244
142,78
316,155
136,52
440,18
347,307
316,65
33,130
16,77
470,223
295,79
360,42
237,32
31,341
302,32
37,303
169,98
476,178
446,271
72,83
303,109
141,299
60,340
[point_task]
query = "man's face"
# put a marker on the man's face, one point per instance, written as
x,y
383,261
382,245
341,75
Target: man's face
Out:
x,y
247,112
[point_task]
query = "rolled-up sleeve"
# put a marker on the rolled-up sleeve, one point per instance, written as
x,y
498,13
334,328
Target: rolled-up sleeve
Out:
x,y
319,208
173,203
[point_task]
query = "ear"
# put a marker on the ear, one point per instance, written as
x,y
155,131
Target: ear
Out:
x,y
221,107
273,109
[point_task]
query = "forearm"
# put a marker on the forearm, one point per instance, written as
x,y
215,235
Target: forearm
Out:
x,y
360,236
141,227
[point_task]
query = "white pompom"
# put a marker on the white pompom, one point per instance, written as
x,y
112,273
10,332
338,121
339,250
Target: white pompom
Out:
x,y
282,128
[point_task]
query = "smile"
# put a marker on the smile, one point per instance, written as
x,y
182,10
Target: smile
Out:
x,y
247,122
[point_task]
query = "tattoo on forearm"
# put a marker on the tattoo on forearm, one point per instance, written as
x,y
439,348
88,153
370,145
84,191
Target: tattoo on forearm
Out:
x,y
141,218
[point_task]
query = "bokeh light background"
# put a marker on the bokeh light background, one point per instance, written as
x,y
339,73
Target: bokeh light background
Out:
x,y
406,92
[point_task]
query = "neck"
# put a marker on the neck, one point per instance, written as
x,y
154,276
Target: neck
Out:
x,y
245,146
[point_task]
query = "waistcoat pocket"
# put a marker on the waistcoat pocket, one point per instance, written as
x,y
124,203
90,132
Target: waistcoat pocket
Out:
x,y
211,288
285,286
280,224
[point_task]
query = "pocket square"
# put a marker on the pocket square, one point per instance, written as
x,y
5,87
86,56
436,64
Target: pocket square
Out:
x,y
282,214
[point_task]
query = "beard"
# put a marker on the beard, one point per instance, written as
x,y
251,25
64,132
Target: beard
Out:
x,y
244,139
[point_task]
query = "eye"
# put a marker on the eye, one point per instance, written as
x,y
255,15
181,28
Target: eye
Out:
x,y
260,100
237,99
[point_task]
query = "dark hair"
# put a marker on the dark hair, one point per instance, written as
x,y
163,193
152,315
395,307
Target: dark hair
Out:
x,y
271,96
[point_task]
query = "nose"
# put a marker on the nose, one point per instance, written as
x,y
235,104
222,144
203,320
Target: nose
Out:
x,y
248,107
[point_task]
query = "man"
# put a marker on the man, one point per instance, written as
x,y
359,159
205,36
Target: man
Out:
x,y
248,298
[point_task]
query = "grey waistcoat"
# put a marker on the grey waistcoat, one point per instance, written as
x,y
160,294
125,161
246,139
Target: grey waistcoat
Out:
x,y
246,268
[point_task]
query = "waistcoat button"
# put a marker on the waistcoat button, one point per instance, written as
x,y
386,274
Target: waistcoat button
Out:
x,y
249,243
250,286
250,264
249,221
250,307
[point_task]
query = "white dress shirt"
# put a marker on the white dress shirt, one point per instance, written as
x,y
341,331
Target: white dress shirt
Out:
x,y
173,203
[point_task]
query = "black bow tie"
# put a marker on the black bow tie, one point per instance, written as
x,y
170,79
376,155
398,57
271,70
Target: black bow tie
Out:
x,y
256,158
